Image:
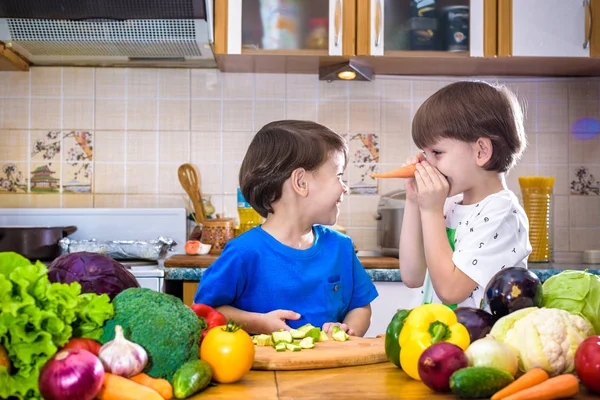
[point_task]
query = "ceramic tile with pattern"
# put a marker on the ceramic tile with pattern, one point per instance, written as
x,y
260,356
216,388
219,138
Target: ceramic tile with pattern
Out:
x,y
364,156
585,183
13,178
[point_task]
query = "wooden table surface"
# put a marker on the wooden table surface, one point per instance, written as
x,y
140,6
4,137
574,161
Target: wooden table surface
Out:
x,y
378,381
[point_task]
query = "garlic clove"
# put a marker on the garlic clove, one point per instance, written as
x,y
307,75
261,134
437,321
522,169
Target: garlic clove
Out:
x,y
123,357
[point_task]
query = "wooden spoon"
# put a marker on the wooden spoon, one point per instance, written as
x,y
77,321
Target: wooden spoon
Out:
x,y
188,177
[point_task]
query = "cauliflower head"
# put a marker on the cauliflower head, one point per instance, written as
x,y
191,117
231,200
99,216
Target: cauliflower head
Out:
x,y
543,337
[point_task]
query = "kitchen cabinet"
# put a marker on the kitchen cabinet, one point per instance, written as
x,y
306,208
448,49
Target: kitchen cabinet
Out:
x,y
548,28
393,296
285,27
460,28
375,33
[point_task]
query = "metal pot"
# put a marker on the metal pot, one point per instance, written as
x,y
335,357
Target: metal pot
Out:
x,y
390,212
34,242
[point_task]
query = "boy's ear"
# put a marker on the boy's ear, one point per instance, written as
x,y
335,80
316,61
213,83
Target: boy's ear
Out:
x,y
484,151
298,180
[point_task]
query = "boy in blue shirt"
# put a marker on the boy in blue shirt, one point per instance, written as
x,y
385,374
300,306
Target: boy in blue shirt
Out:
x,y
292,270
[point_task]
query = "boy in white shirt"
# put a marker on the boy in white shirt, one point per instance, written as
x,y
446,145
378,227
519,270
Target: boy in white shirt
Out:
x,y
461,224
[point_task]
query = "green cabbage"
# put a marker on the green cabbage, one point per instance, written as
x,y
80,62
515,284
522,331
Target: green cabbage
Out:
x,y
37,317
575,291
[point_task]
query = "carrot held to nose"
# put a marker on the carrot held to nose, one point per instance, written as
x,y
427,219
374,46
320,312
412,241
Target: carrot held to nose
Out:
x,y
407,171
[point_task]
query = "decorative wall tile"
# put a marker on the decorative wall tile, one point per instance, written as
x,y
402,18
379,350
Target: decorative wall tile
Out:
x,y
46,146
584,182
13,177
45,178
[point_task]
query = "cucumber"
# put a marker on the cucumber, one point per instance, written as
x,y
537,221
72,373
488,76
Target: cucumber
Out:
x,y
477,382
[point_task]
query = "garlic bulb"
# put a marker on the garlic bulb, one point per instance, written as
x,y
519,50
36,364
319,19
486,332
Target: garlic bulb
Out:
x,y
123,357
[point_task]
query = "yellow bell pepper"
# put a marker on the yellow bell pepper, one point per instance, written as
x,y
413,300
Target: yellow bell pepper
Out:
x,y
426,325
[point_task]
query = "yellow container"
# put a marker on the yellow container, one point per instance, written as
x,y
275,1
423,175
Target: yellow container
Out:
x,y
537,202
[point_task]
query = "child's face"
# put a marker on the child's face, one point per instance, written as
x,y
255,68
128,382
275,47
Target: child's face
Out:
x,y
326,190
456,160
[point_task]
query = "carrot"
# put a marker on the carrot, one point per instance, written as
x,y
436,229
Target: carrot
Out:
x,y
116,387
162,386
559,387
530,378
407,171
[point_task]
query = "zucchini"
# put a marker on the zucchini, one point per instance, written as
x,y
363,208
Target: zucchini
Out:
x,y
282,336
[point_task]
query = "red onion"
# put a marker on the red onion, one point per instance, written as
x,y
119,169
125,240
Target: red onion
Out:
x,y
73,374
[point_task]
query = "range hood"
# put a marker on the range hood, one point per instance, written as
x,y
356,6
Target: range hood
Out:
x,y
157,33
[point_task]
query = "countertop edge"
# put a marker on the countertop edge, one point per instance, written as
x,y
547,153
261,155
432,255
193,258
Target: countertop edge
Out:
x,y
378,275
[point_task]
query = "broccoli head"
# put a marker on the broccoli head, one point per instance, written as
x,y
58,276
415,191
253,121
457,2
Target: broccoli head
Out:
x,y
168,330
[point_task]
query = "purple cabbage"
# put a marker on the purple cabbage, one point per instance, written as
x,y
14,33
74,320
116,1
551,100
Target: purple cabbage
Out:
x,y
96,273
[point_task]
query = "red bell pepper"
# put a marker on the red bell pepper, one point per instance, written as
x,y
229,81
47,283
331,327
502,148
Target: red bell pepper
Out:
x,y
210,316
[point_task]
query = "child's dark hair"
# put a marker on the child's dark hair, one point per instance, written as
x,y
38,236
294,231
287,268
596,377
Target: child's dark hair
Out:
x,y
471,110
276,151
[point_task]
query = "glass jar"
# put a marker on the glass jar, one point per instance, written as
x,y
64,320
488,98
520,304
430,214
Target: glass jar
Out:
x,y
317,37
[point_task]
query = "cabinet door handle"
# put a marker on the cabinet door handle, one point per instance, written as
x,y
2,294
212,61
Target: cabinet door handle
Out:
x,y
588,34
338,21
377,23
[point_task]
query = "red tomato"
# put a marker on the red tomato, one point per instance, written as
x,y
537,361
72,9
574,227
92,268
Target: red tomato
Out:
x,y
83,343
587,363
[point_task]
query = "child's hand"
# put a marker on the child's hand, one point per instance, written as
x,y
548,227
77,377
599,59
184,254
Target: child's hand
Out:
x,y
275,320
328,327
432,187
409,183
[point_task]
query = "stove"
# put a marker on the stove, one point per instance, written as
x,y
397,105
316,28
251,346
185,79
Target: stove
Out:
x,y
112,224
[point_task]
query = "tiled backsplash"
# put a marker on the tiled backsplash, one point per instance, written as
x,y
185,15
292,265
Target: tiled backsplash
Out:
x,y
112,137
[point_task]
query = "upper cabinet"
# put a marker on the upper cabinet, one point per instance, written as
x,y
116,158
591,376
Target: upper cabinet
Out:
x,y
410,37
446,28
548,28
292,27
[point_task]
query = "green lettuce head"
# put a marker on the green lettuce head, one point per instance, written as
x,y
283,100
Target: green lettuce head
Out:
x,y
575,291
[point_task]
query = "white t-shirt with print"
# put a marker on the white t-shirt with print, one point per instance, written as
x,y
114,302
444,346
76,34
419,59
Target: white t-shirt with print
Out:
x,y
489,236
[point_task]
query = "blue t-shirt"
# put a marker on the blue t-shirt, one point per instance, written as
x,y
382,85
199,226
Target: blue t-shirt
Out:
x,y
257,273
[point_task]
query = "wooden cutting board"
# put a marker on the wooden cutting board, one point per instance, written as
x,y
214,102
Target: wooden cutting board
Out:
x,y
185,261
330,354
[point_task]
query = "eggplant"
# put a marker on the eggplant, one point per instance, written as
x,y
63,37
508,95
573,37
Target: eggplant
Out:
x,y
477,321
512,289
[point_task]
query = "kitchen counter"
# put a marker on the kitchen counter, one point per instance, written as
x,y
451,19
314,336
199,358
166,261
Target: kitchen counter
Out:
x,y
380,269
378,381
